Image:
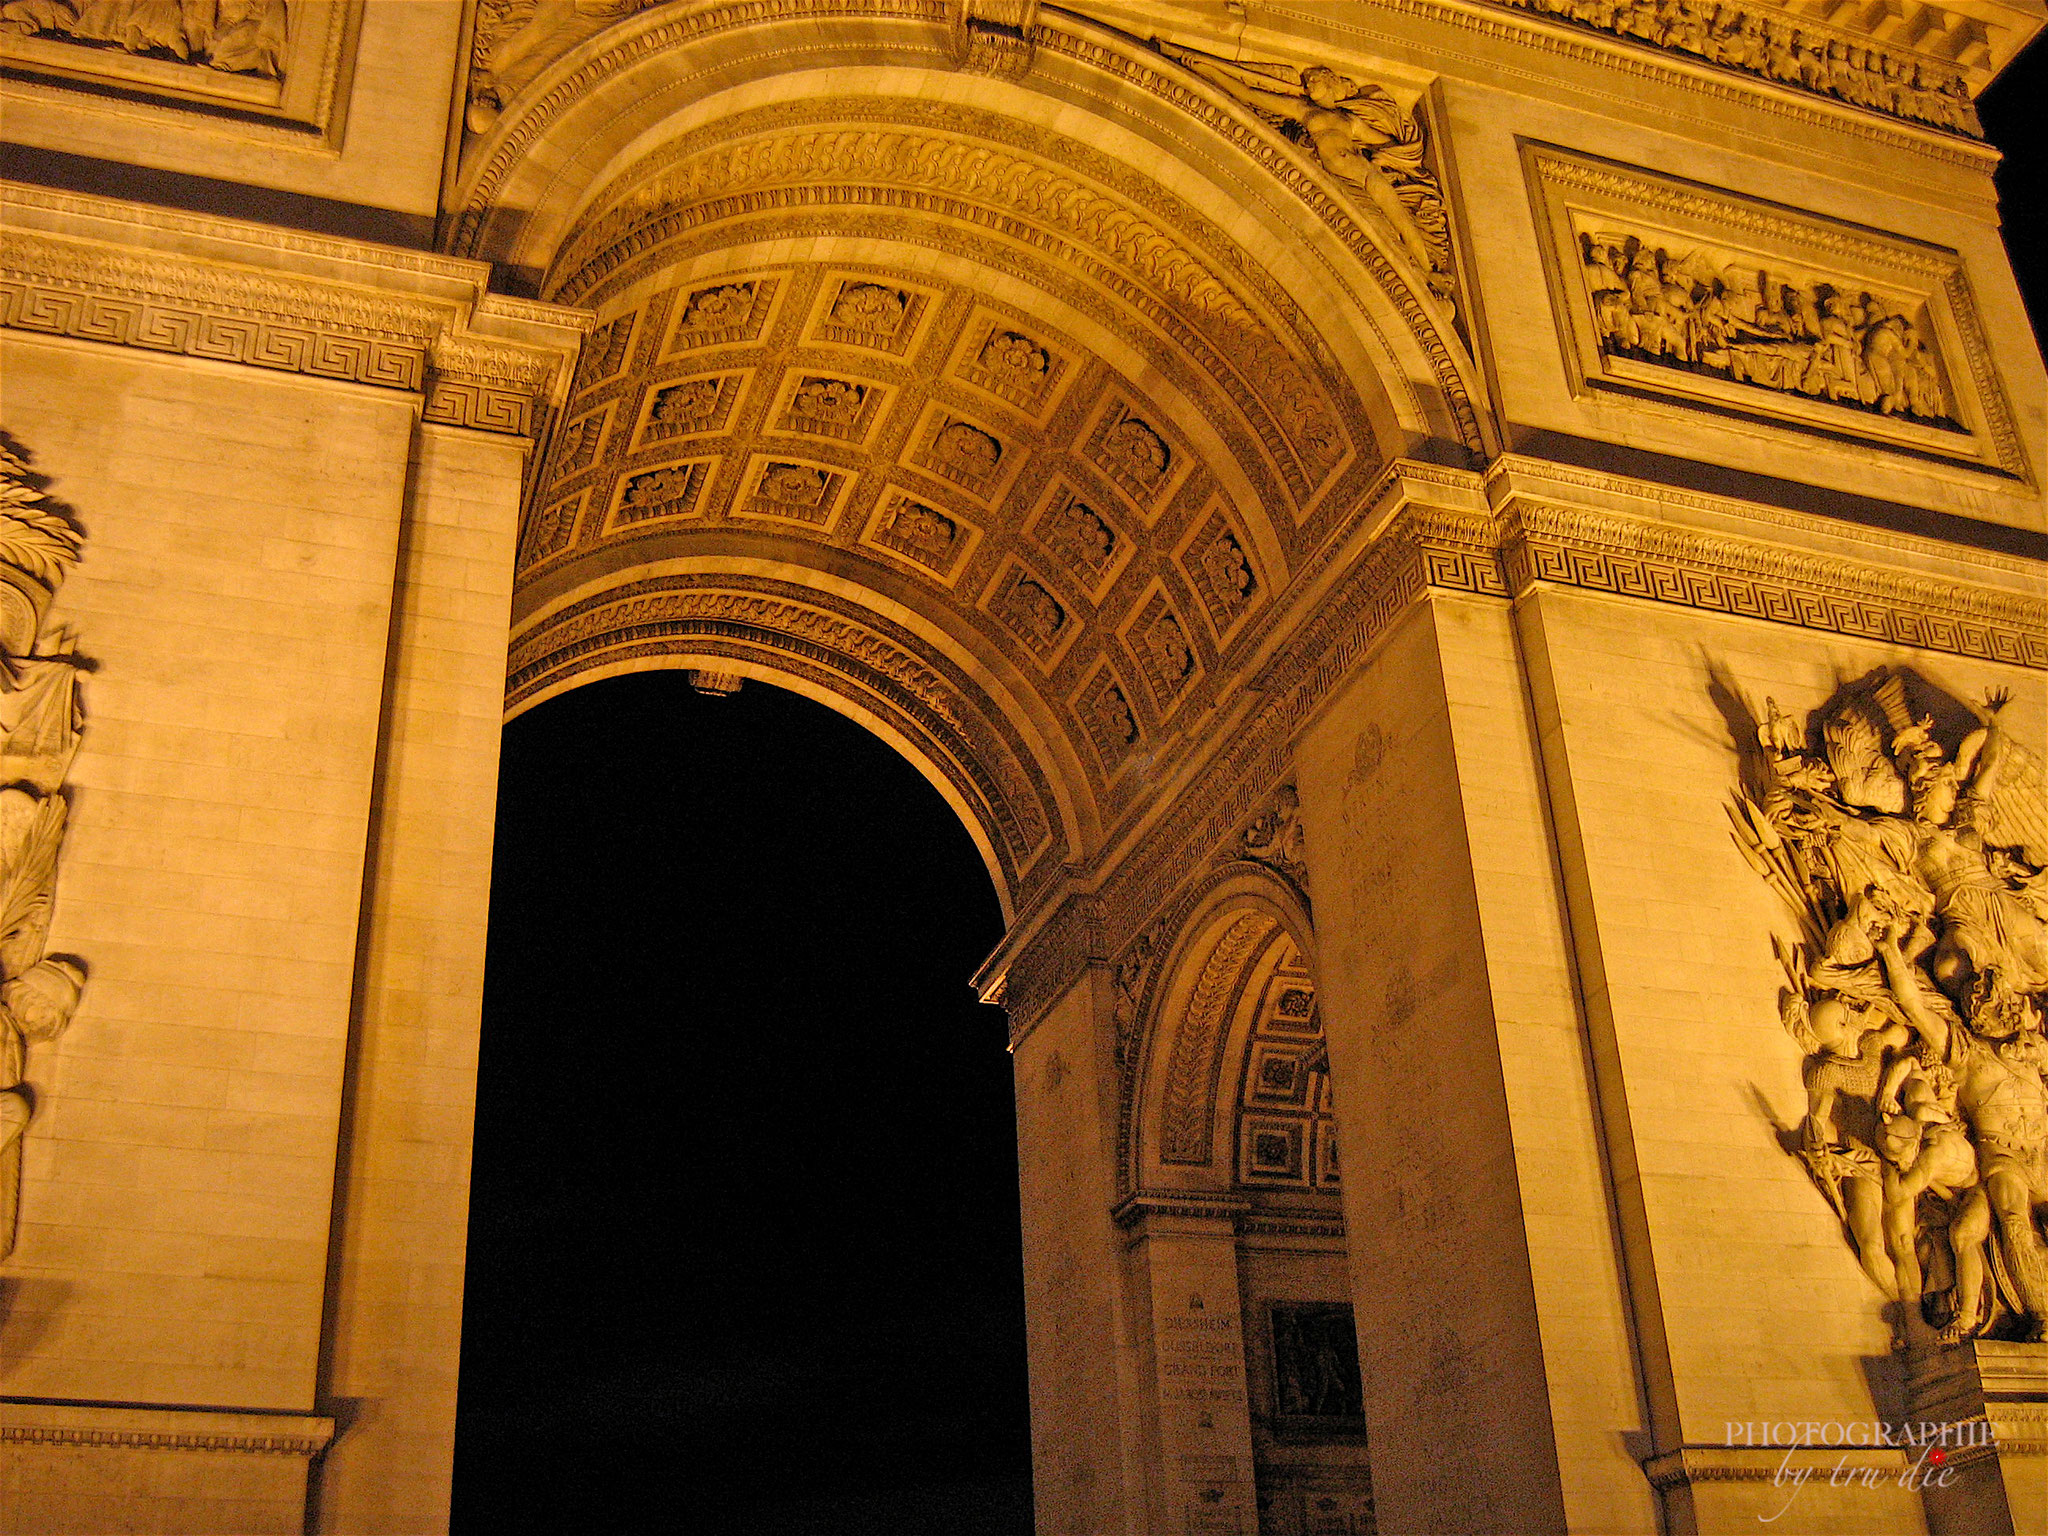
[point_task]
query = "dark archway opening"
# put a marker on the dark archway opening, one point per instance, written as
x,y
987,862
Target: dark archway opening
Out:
x,y
743,1244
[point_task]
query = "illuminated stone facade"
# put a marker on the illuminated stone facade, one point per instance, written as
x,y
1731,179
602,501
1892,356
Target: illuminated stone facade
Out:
x,y
1474,570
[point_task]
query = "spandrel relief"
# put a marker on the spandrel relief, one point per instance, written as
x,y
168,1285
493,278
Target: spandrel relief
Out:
x,y
1372,145
1907,831
40,721
1669,291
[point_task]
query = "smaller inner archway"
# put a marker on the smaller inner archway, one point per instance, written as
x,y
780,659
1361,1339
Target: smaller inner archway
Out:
x,y
744,1231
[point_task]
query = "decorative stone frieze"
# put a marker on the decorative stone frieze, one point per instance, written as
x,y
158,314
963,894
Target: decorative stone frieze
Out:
x,y
1674,291
1920,84
418,324
279,62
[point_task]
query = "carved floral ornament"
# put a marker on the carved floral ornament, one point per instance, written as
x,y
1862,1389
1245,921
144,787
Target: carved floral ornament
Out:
x,y
40,721
1907,832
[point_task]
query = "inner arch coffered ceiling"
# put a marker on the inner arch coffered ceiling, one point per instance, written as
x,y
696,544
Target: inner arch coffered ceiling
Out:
x,y
1008,415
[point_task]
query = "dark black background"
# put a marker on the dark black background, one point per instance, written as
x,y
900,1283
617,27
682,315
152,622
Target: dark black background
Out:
x,y
743,1240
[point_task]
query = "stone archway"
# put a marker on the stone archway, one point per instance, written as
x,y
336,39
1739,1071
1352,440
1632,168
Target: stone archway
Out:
x,y
908,390
947,399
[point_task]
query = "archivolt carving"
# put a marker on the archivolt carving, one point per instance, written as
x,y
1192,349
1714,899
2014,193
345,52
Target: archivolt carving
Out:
x,y
1908,834
1188,1100
39,728
511,142
791,627
965,160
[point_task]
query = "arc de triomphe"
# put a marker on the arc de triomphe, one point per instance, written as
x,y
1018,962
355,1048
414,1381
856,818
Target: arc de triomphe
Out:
x,y
1474,568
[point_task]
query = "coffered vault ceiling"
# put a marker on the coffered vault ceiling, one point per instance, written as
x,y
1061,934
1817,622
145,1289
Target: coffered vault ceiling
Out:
x,y
1030,451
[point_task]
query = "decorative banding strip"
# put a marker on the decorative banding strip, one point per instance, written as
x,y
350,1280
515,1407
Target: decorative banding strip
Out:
x,y
154,1440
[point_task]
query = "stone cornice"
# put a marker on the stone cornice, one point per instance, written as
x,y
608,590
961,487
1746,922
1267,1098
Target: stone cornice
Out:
x,y
119,274
1599,552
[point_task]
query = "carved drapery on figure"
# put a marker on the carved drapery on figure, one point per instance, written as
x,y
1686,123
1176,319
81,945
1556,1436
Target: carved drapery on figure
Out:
x,y
1358,133
241,37
1907,833
39,726
1713,314
1778,48
516,39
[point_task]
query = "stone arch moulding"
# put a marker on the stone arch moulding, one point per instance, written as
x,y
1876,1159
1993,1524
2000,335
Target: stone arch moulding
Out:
x,y
1212,949
838,651
624,105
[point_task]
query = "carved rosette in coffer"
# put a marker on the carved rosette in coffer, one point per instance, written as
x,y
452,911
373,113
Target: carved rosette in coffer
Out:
x,y
1674,291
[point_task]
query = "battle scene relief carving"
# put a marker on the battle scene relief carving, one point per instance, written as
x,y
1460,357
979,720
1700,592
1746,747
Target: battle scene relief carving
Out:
x,y
1690,294
40,721
242,37
1802,53
1907,832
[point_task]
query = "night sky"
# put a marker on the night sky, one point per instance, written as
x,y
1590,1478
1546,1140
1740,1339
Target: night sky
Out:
x,y
743,1238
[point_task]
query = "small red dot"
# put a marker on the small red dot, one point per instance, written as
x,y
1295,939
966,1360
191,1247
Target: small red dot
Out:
x,y
1937,1456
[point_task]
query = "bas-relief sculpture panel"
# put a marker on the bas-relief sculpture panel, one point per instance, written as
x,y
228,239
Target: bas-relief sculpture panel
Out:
x,y
1906,831
40,719
1804,52
277,60
1685,293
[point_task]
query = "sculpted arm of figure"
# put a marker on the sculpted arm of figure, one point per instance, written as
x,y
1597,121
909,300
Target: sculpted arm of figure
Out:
x,y
1982,753
1912,1002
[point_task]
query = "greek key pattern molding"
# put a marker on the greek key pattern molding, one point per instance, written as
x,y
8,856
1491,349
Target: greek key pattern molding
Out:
x,y
1601,553
54,287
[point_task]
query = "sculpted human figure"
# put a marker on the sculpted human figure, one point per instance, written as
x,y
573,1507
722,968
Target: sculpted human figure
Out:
x,y
1847,1045
1917,870
2004,1099
1360,135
